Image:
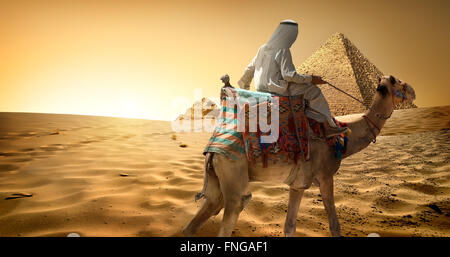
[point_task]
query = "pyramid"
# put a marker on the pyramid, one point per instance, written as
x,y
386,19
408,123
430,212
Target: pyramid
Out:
x,y
206,107
339,62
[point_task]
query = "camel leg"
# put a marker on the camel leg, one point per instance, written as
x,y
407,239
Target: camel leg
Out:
x,y
233,178
234,204
212,204
295,197
326,189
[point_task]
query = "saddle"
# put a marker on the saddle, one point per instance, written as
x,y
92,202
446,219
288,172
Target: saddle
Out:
x,y
244,121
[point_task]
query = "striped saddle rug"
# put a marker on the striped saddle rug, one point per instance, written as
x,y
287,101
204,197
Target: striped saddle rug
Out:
x,y
247,126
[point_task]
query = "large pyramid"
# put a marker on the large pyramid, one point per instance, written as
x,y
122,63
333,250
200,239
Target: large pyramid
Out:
x,y
339,62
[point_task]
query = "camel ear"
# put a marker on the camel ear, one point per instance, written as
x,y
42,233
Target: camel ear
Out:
x,y
392,79
383,90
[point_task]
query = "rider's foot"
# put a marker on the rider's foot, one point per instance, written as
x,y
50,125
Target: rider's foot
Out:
x,y
334,131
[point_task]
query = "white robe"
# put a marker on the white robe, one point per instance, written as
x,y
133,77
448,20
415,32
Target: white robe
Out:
x,y
273,70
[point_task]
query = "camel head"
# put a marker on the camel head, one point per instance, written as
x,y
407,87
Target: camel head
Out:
x,y
398,90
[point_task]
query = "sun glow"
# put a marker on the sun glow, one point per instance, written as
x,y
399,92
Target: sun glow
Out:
x,y
129,109
132,59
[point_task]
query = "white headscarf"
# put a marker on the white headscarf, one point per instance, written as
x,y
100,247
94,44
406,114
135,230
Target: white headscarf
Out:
x,y
272,66
273,70
284,36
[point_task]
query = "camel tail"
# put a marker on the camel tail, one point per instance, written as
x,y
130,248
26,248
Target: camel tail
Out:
x,y
207,168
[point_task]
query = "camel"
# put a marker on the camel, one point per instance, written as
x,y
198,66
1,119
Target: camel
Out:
x,y
226,184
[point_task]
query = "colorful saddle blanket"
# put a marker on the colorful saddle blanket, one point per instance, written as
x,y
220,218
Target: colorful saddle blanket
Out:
x,y
246,118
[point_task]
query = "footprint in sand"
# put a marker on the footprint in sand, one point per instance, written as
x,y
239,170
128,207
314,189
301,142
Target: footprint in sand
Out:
x,y
53,147
22,160
9,154
27,150
8,167
18,195
27,134
88,141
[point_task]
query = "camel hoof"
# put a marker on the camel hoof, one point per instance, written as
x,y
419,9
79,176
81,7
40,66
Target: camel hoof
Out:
x,y
187,233
289,234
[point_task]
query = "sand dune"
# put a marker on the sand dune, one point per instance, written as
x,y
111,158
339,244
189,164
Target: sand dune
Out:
x,y
100,176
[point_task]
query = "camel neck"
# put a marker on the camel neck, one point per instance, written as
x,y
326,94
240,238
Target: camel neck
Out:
x,y
380,111
365,130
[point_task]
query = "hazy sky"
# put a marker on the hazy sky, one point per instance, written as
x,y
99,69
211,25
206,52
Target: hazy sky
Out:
x,y
132,58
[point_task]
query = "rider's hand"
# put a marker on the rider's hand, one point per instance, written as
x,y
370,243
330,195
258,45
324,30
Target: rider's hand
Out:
x,y
317,80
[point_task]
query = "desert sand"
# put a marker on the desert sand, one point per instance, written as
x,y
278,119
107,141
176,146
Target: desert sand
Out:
x,y
100,176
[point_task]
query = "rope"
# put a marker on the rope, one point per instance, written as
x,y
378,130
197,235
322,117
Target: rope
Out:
x,y
342,91
295,124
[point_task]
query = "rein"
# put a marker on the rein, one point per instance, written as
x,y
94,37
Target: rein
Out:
x,y
359,101
369,122
342,91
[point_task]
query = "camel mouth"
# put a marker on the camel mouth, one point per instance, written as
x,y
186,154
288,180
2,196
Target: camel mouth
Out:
x,y
409,90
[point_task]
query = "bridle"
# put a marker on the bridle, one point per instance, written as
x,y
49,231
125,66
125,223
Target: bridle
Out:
x,y
395,93
370,122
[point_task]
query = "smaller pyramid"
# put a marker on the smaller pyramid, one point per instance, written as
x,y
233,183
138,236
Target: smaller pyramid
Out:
x,y
339,62
204,109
